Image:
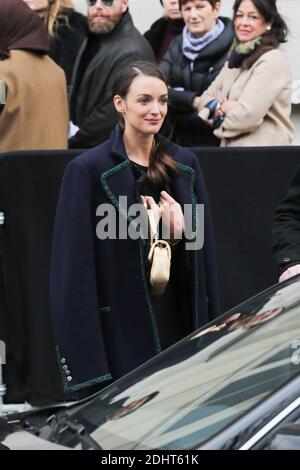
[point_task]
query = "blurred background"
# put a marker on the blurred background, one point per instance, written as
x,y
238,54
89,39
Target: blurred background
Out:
x,y
145,12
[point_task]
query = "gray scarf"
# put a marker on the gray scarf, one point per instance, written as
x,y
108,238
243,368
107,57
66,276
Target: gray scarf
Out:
x,y
191,46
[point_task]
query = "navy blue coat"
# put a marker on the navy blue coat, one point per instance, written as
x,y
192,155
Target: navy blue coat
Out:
x,y
103,317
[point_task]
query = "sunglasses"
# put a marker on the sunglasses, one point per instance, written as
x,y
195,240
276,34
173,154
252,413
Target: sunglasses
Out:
x,y
107,3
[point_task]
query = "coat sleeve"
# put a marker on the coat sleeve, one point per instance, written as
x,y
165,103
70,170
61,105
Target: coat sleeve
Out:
x,y
257,97
73,286
179,100
214,91
286,229
98,124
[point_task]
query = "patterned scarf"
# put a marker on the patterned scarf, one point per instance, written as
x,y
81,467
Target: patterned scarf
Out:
x,y
191,45
244,55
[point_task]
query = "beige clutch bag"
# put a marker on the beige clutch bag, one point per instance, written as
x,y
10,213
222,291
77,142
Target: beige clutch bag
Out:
x,y
159,258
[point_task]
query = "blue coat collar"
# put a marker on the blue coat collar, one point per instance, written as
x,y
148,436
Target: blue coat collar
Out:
x,y
118,147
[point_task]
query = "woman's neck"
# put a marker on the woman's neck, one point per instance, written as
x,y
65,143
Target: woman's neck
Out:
x,y
139,147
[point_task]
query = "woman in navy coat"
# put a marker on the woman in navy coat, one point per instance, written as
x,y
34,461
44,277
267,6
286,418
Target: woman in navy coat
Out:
x,y
106,319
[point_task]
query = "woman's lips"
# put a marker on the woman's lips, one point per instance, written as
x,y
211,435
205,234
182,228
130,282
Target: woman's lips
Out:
x,y
154,121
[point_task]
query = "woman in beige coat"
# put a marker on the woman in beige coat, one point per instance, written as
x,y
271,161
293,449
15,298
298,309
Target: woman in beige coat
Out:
x,y
249,103
33,111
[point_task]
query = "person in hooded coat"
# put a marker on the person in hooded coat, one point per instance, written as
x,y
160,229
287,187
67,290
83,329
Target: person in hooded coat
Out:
x,y
34,110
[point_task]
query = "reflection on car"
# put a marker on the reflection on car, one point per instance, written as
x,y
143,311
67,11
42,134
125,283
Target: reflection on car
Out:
x,y
233,384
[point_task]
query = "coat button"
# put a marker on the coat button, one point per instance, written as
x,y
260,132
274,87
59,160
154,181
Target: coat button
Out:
x,y
63,360
69,378
286,260
65,367
67,372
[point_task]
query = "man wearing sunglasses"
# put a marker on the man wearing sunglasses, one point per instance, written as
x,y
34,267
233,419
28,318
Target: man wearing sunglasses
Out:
x,y
112,42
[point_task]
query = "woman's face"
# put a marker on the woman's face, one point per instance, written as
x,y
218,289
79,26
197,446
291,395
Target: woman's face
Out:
x,y
38,5
145,106
249,24
200,16
172,9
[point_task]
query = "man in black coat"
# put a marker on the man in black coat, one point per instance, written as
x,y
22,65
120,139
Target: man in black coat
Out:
x,y
113,41
286,231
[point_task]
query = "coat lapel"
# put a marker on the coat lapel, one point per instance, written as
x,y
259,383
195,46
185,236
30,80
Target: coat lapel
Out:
x,y
119,182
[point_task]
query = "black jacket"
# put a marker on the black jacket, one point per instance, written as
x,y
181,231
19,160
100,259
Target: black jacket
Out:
x,y
189,128
286,230
92,106
157,32
69,35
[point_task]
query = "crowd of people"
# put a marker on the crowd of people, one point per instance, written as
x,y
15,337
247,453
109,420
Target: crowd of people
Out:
x,y
217,70
96,83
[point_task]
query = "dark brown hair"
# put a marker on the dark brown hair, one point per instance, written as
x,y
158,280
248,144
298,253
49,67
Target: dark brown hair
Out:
x,y
212,2
268,10
161,165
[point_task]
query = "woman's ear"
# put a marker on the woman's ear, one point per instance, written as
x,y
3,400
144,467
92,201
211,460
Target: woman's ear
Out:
x,y
119,104
217,9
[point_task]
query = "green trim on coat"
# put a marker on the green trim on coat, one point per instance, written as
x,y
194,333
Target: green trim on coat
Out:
x,y
74,388
142,245
111,195
104,309
192,173
150,306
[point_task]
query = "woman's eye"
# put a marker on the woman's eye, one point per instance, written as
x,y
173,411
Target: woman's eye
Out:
x,y
164,101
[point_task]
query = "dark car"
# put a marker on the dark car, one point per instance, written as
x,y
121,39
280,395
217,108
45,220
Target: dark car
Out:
x,y
234,384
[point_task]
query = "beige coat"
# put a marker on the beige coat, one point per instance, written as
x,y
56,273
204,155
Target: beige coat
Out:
x,y
35,115
262,117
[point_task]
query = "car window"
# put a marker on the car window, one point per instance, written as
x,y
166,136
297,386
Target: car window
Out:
x,y
204,383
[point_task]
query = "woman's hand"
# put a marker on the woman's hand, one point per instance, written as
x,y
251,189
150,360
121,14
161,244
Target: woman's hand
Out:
x,y
197,103
172,217
149,203
228,105
290,272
